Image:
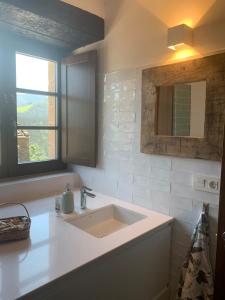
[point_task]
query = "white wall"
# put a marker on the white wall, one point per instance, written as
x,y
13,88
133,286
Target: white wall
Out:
x,y
161,183
135,39
136,30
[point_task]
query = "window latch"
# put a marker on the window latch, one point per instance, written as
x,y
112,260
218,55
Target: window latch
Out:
x,y
15,128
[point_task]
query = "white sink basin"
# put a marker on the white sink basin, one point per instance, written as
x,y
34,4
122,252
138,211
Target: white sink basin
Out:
x,y
106,220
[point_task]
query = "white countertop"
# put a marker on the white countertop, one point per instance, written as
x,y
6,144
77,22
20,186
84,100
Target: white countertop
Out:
x,y
57,247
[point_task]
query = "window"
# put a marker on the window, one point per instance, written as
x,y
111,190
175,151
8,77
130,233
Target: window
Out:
x,y
36,100
30,110
40,131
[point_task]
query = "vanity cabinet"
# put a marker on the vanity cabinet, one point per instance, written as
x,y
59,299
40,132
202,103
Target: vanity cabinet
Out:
x,y
138,270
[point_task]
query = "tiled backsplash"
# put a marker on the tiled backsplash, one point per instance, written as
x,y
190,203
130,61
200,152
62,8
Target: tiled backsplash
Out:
x,y
161,183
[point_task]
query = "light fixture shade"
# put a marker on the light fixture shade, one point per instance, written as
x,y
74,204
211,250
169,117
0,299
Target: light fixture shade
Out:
x,y
178,36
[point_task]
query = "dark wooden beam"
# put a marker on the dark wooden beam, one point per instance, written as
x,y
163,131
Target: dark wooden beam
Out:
x,y
22,44
52,22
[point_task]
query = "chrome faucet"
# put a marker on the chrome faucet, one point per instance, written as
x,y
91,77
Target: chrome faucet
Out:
x,y
84,192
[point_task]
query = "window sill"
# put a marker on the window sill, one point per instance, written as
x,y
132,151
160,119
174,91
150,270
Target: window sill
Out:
x,y
36,187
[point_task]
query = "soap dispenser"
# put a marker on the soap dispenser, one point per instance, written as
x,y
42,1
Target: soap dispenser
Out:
x,y
67,201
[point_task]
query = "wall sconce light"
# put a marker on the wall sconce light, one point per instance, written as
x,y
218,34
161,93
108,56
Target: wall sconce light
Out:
x,y
179,36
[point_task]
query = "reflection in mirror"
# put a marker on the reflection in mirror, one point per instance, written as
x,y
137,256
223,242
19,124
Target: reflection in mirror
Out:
x,y
181,109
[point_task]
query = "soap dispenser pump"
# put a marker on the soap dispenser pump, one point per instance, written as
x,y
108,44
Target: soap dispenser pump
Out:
x,y
67,201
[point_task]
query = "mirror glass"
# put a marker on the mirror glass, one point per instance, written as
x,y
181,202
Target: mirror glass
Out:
x,y
181,109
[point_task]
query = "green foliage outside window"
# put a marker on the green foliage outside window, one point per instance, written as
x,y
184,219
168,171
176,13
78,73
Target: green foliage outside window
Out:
x,y
38,142
36,153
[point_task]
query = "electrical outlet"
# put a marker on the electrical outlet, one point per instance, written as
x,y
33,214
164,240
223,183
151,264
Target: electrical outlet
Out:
x,y
214,185
206,183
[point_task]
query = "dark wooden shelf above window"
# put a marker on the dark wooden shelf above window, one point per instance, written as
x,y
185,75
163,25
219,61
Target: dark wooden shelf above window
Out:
x,y
52,22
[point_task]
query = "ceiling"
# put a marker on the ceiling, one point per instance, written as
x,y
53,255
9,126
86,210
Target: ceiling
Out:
x,y
96,7
171,12
193,13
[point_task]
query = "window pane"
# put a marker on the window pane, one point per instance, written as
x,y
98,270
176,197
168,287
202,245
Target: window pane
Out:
x,y
35,74
36,145
36,110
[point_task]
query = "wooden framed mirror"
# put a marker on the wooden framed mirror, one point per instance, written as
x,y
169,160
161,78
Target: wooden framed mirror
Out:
x,y
183,108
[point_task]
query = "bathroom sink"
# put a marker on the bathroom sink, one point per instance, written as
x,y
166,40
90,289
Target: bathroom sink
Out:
x,y
106,220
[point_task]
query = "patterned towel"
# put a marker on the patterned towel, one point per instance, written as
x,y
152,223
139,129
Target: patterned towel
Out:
x,y
196,282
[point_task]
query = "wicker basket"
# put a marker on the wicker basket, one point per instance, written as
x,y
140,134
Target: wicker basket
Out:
x,y
14,228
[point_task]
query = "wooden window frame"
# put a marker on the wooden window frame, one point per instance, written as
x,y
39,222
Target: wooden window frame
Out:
x,y
10,166
84,154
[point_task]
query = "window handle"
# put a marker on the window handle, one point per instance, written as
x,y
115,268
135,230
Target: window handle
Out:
x,y
15,128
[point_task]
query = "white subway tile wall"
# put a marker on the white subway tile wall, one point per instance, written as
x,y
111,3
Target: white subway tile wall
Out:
x,y
161,183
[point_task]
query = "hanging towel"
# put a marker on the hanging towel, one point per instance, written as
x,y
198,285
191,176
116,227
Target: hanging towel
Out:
x,y
196,282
